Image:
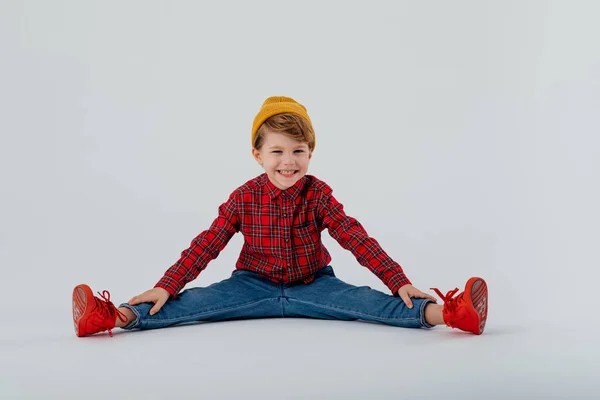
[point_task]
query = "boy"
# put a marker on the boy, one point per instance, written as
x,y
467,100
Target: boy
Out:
x,y
283,269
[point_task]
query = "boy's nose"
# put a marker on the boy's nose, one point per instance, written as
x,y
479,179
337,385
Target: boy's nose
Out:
x,y
287,159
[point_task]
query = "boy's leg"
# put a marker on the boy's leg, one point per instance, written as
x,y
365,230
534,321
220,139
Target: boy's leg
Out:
x,y
328,297
243,295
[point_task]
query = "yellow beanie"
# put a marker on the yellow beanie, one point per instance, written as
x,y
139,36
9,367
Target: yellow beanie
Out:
x,y
277,105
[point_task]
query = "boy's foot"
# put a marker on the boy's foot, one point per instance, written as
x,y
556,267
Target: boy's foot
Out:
x,y
467,311
92,314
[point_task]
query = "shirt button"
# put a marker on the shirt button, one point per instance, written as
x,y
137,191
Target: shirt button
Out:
x,y
287,240
284,215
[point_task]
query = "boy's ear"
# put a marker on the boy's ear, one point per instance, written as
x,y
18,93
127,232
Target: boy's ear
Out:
x,y
256,155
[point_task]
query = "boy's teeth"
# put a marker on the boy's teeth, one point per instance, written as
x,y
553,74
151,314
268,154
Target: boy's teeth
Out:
x,y
287,172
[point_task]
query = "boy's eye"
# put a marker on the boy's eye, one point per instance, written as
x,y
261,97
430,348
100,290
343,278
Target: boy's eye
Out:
x,y
295,151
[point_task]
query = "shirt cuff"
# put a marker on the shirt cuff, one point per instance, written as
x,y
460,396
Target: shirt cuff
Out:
x,y
169,288
396,282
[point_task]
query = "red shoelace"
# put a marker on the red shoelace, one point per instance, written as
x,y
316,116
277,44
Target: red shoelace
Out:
x,y
448,297
108,309
450,302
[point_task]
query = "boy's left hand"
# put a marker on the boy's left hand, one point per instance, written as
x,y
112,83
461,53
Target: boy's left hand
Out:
x,y
408,291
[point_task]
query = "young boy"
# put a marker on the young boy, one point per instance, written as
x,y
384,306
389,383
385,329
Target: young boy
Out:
x,y
283,269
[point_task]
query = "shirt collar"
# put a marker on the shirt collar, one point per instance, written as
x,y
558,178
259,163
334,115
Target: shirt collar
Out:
x,y
273,191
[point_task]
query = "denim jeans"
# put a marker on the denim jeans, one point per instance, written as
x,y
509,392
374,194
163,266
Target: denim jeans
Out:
x,y
249,295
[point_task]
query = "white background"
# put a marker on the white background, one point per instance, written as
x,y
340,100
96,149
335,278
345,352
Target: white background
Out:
x,y
463,135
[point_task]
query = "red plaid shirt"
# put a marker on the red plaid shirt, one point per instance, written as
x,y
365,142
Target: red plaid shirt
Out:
x,y
282,236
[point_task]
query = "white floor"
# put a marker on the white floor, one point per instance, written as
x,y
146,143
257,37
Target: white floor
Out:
x,y
297,359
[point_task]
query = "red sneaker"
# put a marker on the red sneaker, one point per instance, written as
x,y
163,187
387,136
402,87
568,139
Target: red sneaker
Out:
x,y
92,314
467,311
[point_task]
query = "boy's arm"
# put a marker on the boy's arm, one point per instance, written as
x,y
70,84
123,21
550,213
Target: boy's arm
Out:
x,y
204,248
351,235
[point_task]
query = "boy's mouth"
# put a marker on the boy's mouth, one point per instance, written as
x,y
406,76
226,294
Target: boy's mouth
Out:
x,y
287,173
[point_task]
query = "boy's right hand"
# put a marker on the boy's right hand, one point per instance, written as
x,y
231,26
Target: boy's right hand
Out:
x,y
157,295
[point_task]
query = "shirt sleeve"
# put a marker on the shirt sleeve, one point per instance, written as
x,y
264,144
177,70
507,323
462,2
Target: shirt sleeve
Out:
x,y
351,235
204,248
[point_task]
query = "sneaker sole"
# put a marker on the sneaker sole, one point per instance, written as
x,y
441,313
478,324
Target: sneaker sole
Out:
x,y
80,295
477,294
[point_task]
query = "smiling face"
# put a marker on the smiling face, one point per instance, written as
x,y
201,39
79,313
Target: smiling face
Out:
x,y
284,159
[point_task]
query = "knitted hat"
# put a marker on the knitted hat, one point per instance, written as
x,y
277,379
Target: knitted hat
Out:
x,y
277,105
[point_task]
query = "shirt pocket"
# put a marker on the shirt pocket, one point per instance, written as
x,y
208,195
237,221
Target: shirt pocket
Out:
x,y
305,239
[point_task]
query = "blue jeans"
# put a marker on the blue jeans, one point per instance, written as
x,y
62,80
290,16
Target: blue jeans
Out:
x,y
249,295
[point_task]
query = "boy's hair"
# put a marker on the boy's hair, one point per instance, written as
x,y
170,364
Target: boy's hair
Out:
x,y
291,125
